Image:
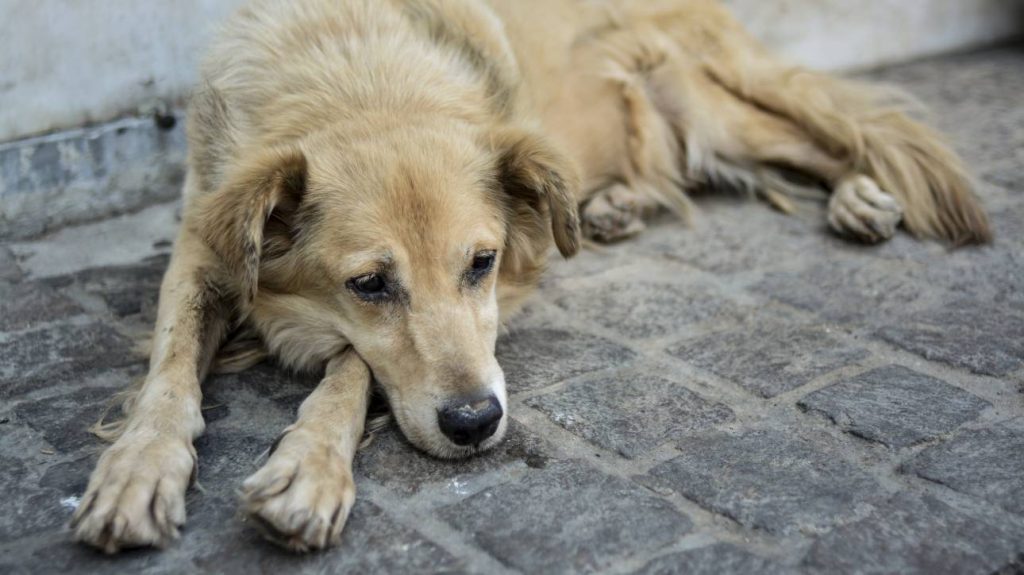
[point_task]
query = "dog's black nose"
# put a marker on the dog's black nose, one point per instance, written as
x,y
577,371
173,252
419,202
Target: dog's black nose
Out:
x,y
472,422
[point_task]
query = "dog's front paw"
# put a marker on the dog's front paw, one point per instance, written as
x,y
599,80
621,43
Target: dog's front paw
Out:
x,y
615,213
302,496
861,210
136,495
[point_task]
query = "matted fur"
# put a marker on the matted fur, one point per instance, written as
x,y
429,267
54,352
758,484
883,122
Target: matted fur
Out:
x,y
418,142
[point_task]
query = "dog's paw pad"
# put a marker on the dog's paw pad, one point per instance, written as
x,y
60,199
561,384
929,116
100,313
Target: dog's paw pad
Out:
x,y
861,210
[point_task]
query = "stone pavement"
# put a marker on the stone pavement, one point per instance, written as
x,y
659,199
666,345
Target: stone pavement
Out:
x,y
747,396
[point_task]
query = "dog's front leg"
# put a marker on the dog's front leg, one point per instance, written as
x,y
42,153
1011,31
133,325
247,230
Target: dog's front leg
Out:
x,y
136,495
302,496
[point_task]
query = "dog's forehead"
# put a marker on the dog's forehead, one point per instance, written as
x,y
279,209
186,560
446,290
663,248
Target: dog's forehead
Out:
x,y
435,204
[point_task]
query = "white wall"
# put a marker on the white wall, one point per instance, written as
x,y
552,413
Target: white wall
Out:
x,y
65,63
843,34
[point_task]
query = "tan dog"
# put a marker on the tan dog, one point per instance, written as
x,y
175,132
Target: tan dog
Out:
x,y
374,186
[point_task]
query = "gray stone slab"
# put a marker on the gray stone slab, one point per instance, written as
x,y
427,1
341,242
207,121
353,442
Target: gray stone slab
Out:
x,y
373,543
127,290
29,304
862,290
9,269
1006,174
718,559
69,478
229,452
987,280
767,480
56,553
735,233
769,358
985,463
1008,225
985,339
1014,567
64,420
535,358
895,405
630,411
264,380
393,462
60,354
26,508
38,498
567,518
919,535
643,310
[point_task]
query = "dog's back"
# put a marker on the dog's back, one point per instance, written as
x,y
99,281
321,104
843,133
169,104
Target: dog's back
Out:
x,y
281,70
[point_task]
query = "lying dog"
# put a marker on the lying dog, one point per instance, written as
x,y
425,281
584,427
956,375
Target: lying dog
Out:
x,y
374,186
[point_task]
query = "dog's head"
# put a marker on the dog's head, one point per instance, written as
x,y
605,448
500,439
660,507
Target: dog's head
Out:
x,y
407,244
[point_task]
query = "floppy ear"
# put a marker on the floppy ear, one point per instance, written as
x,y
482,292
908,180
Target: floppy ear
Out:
x,y
531,171
234,219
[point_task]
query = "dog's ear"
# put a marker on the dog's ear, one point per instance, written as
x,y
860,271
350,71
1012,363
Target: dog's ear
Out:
x,y
532,173
236,220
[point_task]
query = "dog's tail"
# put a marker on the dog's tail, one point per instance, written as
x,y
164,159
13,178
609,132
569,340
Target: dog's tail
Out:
x,y
866,127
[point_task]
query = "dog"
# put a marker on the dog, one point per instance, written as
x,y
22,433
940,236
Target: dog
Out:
x,y
374,186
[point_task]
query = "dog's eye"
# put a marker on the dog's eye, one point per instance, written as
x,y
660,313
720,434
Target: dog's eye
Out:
x,y
371,287
481,266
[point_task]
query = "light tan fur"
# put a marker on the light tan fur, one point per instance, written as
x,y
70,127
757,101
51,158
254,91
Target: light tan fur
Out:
x,y
407,141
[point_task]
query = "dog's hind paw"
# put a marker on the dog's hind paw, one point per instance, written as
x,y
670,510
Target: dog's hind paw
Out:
x,y
612,214
301,498
861,210
136,495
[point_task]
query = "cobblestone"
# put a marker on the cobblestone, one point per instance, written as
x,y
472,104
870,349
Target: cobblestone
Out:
x,y
9,269
766,480
640,310
984,339
630,412
895,406
918,535
56,355
567,518
536,358
987,463
761,358
720,559
28,304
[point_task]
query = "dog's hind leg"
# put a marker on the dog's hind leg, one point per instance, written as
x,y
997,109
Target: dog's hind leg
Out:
x,y
136,495
748,138
883,149
302,496
864,127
